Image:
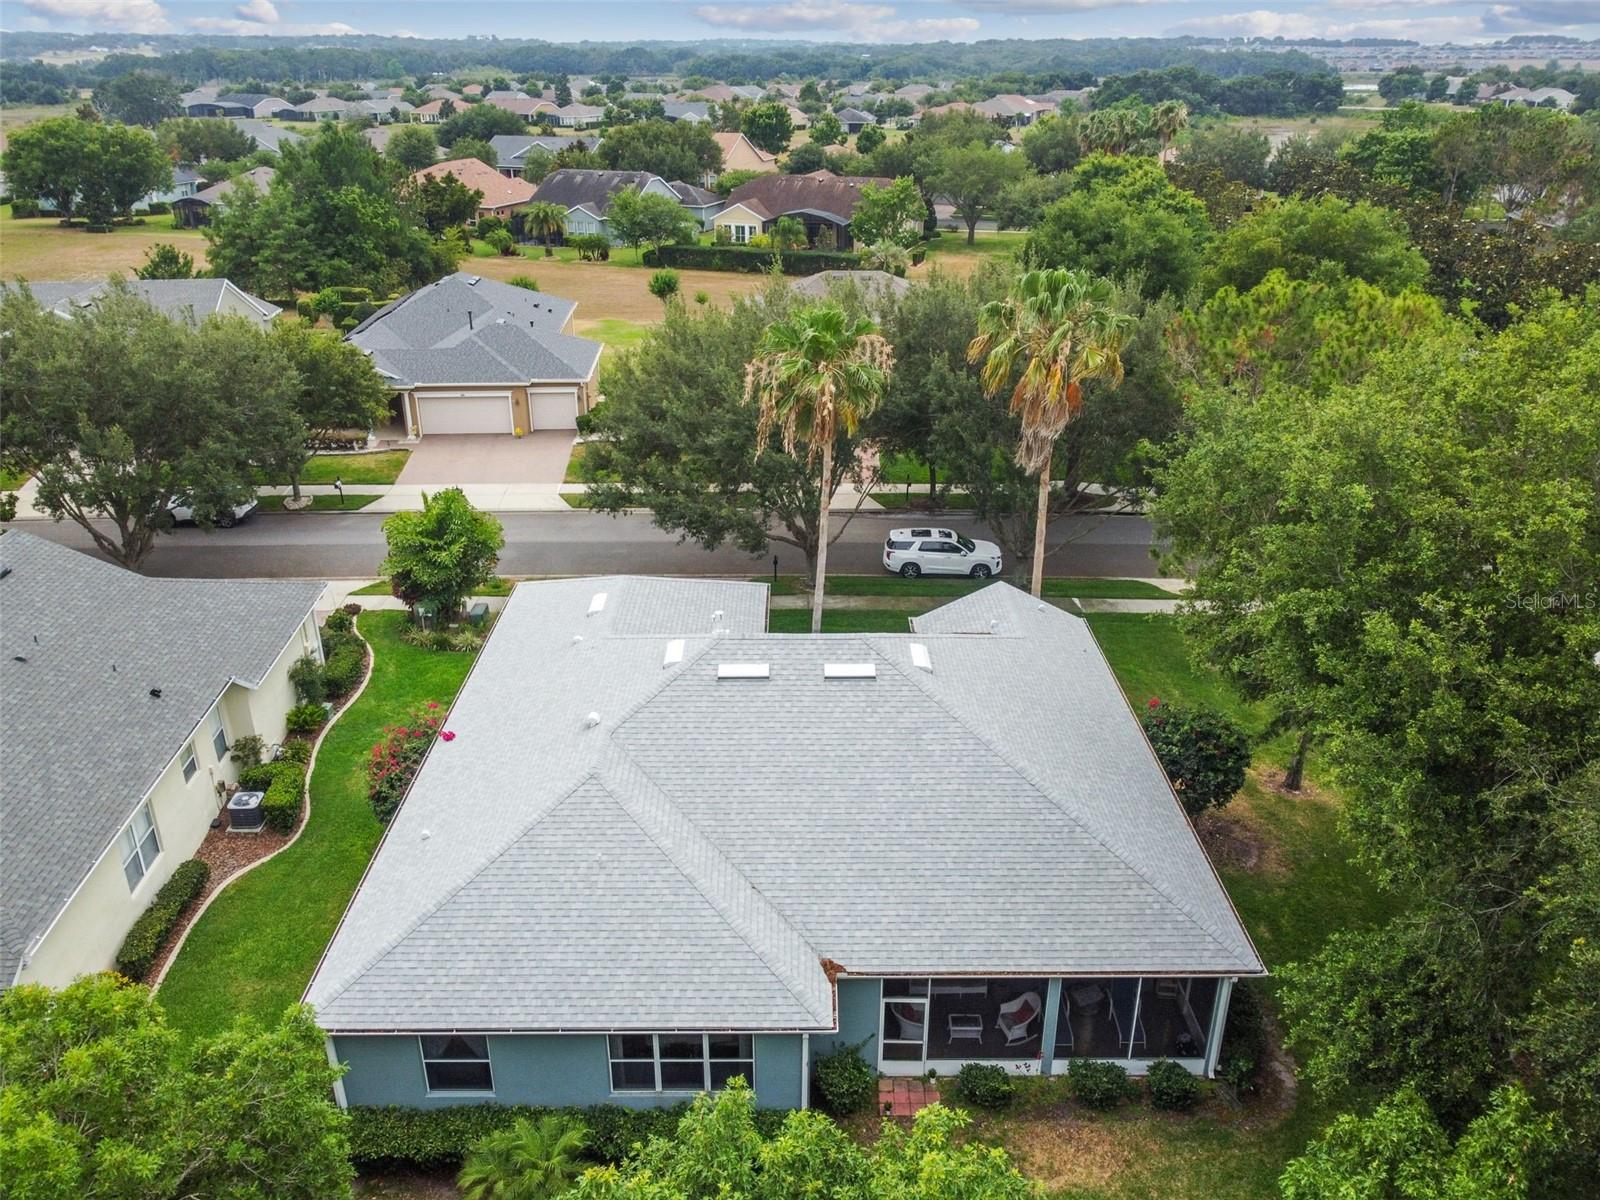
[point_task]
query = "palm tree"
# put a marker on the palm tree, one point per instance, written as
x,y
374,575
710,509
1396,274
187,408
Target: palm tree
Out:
x,y
1060,328
547,220
1169,119
531,1160
814,372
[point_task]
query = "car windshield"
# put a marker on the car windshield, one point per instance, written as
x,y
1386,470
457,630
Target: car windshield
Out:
x,y
966,543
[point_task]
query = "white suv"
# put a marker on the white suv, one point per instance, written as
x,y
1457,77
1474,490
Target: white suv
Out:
x,y
912,552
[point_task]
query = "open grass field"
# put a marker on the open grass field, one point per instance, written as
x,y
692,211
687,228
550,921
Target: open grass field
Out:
x,y
17,115
615,333
42,248
615,290
254,950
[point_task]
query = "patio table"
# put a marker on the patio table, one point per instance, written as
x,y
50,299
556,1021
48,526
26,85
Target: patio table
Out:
x,y
966,1025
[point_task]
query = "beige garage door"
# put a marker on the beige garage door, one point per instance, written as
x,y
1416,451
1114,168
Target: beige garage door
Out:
x,y
465,412
554,407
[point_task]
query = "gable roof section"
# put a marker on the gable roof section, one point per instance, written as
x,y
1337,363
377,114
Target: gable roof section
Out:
x,y
189,299
820,192
739,153
694,197
695,854
466,329
499,191
264,134
85,741
261,177
573,187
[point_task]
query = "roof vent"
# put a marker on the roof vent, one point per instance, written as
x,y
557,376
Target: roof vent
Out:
x,y
591,720
597,603
576,638
864,670
674,652
920,658
155,693
743,670
472,280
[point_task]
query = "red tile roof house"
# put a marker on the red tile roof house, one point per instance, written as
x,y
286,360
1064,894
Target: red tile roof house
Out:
x,y
821,200
501,195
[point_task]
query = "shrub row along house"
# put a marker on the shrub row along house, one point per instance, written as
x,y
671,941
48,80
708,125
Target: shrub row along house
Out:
x,y
123,697
664,848
469,355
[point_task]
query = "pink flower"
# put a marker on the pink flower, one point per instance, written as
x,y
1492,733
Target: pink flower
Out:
x,y
1155,702
448,736
433,704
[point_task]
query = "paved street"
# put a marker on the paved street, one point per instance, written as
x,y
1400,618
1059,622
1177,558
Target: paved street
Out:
x,y
350,545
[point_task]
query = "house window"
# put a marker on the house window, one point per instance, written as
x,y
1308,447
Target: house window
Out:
x,y
190,766
139,844
457,1062
219,736
680,1062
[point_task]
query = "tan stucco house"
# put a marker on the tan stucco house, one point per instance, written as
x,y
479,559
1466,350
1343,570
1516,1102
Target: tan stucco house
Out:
x,y
123,695
469,355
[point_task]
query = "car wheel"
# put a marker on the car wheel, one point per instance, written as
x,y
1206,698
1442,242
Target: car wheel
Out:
x,y
225,521
981,571
910,571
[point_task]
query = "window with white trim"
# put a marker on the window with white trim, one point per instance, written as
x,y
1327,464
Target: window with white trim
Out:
x,y
456,1062
219,735
139,845
190,763
679,1062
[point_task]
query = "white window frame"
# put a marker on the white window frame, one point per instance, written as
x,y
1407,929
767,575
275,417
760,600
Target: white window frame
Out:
x,y
487,1060
219,735
188,763
140,845
655,1061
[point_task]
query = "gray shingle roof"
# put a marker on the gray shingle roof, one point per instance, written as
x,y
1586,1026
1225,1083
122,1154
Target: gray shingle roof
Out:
x,y
511,149
83,739
189,299
571,187
691,859
467,329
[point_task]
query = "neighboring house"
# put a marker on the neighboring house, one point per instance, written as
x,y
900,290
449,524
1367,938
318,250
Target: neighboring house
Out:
x,y
1544,97
526,107
438,91
1012,109
189,100
502,194
185,182
721,93
914,92
666,847
378,136
383,109
798,118
577,116
586,195
265,135
325,108
512,149
196,209
874,285
854,120
1055,98
824,202
702,202
693,111
739,153
192,300
123,696
472,355
238,104
430,114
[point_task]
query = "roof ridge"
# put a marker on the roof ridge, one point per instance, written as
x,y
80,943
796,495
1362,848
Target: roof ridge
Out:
x,y
388,947
728,912
1027,773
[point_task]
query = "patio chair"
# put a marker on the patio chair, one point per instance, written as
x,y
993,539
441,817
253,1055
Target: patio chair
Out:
x,y
1138,1038
1016,1016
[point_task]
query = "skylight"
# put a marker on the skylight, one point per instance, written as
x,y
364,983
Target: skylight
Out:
x,y
920,657
598,603
862,670
743,670
674,652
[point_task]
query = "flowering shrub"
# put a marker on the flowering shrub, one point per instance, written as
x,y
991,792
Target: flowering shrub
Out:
x,y
395,758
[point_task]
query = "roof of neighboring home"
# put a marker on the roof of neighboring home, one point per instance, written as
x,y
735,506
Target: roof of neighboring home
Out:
x,y
873,283
620,837
512,148
1010,105
499,191
770,196
914,91
191,299
692,110
432,107
580,110
523,106
573,187
852,116
692,196
328,104
264,134
737,149
260,176
248,98
465,329
82,645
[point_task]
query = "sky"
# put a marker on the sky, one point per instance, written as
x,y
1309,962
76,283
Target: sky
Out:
x,y
820,20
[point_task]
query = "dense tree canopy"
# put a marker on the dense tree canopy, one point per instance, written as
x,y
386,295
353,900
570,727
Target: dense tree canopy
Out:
x,y
138,98
671,149
1314,239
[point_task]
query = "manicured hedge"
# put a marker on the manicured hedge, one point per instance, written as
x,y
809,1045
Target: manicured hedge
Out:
x,y
150,932
280,807
440,1136
750,259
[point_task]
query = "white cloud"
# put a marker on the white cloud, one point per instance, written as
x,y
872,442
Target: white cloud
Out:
x,y
1049,6
264,11
1329,23
132,16
870,22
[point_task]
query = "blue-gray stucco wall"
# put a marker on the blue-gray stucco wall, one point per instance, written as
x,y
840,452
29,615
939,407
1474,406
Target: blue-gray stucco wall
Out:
x,y
540,1069
858,1019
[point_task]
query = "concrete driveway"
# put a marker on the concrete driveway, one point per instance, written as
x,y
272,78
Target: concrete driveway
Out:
x,y
538,457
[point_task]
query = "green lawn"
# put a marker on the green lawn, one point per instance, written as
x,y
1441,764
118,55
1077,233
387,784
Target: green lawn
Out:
x,y
348,503
382,466
254,950
10,481
899,501
951,244
615,333
1151,660
845,620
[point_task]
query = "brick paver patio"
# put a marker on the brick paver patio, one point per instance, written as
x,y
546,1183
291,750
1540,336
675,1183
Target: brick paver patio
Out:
x,y
905,1097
